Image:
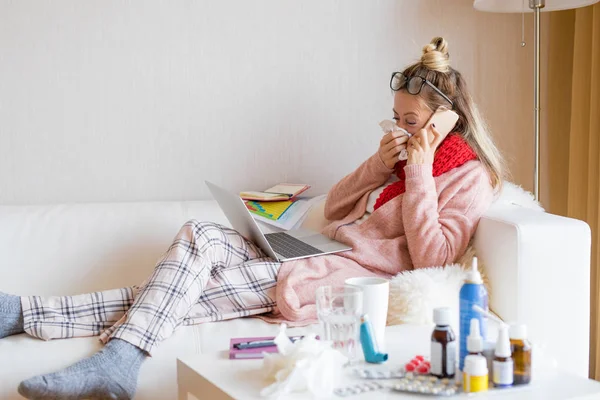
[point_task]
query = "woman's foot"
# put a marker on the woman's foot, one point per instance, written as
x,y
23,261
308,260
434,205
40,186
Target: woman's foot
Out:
x,y
111,373
11,315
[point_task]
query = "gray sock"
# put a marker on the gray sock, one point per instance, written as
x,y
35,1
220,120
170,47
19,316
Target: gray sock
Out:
x,y
11,315
111,373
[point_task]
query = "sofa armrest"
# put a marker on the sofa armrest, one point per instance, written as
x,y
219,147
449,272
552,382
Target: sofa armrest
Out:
x,y
538,265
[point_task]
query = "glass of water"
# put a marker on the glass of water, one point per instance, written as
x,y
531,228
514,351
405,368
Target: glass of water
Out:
x,y
339,310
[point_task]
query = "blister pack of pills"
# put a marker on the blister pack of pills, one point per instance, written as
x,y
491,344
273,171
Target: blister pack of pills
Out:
x,y
378,373
359,388
418,365
426,384
413,377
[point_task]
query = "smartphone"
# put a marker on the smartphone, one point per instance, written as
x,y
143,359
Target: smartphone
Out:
x,y
444,120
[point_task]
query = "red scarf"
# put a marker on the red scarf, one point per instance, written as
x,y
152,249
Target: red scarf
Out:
x,y
452,153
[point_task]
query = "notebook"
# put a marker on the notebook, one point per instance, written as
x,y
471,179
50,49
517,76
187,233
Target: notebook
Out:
x,y
272,210
283,191
248,354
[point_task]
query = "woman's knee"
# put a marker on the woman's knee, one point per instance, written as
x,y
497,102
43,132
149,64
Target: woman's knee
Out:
x,y
195,225
200,229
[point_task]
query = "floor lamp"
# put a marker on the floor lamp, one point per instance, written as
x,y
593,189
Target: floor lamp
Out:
x,y
535,6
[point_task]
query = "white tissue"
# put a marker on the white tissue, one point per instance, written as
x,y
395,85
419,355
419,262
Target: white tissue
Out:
x,y
305,365
388,126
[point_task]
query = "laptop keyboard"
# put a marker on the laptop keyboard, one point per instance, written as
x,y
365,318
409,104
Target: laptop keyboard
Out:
x,y
290,247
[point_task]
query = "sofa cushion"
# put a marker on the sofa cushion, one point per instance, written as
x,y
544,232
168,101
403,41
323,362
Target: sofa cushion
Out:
x,y
71,249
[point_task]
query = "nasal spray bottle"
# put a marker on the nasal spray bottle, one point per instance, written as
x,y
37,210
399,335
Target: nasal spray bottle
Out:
x,y
472,293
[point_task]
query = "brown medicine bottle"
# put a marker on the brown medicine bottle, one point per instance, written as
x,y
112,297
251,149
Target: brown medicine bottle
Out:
x,y
443,345
521,354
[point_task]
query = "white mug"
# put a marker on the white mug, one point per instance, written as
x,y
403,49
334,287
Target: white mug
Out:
x,y
375,303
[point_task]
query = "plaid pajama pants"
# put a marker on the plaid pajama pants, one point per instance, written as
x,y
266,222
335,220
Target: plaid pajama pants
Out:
x,y
210,273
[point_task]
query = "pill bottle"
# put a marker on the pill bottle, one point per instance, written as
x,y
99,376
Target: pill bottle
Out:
x,y
443,345
521,354
475,374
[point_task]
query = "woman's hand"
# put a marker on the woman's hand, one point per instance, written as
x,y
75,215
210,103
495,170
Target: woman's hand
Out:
x,y
390,146
422,146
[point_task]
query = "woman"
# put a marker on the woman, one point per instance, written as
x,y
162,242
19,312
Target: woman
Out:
x,y
397,216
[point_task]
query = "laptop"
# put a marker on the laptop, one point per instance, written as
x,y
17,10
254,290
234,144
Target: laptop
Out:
x,y
282,246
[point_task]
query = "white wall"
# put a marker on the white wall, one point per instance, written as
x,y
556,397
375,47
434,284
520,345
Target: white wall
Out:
x,y
108,100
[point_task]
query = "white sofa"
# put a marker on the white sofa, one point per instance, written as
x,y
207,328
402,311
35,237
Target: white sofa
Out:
x,y
538,265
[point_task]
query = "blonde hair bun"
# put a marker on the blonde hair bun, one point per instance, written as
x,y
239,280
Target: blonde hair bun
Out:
x,y
435,55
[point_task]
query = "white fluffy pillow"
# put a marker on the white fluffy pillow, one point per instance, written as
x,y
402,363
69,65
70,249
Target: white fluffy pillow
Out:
x,y
414,294
515,195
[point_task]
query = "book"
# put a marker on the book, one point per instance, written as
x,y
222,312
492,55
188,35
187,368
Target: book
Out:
x,y
252,353
269,209
280,192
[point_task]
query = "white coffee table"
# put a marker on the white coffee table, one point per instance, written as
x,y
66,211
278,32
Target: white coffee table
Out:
x,y
214,376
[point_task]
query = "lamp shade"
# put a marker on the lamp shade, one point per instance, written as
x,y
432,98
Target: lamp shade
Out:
x,y
517,6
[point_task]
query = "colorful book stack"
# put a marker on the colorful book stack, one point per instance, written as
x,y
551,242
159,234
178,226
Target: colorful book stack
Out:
x,y
272,210
281,192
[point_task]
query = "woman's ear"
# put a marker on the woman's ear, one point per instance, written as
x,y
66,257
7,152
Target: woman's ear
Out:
x,y
460,124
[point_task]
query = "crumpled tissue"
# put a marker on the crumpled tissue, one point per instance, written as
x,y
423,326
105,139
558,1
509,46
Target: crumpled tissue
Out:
x,y
388,126
307,364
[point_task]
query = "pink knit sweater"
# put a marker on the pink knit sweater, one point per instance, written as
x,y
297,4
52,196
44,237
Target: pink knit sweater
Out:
x,y
431,224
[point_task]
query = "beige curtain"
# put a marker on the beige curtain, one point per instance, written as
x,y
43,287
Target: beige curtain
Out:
x,y
573,136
